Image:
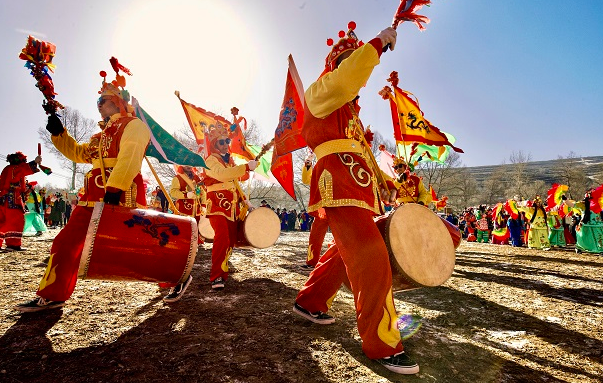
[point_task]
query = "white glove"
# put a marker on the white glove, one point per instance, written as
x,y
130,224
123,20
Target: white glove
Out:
x,y
252,165
388,36
38,160
190,194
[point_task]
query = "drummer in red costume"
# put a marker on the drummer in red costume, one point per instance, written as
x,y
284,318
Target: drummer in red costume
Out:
x,y
410,187
12,185
118,149
226,203
345,185
185,186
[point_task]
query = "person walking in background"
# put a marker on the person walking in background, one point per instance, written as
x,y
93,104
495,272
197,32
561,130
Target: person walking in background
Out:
x,y
12,210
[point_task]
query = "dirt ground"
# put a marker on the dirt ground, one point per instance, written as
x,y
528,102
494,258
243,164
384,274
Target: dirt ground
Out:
x,y
506,315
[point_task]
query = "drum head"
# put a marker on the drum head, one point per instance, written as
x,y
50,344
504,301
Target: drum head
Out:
x,y
262,227
420,245
205,229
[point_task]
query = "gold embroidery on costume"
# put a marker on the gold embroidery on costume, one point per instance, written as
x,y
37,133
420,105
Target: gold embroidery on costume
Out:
x,y
50,275
225,263
358,173
224,202
387,330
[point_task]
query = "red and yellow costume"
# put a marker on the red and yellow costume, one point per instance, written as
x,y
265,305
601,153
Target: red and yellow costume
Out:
x,y
345,186
181,185
121,146
12,185
319,228
411,190
225,204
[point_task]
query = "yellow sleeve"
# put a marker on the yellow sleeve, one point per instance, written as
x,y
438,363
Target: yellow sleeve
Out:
x,y
175,191
335,89
221,173
132,147
70,148
306,174
424,194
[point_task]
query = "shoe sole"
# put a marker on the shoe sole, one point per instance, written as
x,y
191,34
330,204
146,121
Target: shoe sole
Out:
x,y
411,370
176,299
311,318
42,308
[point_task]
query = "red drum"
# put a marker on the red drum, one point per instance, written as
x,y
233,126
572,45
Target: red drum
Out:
x,y
420,247
454,232
205,229
260,229
126,244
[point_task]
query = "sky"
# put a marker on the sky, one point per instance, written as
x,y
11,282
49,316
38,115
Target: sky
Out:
x,y
500,76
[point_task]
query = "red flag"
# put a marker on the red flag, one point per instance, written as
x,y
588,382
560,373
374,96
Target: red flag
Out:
x,y
282,170
238,146
287,136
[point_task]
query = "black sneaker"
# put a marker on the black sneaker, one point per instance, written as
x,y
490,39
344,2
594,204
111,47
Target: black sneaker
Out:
x,y
317,317
177,291
306,267
38,304
217,284
400,363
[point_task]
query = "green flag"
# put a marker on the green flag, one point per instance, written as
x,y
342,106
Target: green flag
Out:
x,y
163,146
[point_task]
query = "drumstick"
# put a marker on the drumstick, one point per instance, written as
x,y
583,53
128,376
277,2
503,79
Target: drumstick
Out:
x,y
39,149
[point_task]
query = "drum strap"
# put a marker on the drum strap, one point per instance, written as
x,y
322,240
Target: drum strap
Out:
x,y
338,146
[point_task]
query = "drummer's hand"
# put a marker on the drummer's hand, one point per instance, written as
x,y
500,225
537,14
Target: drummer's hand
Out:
x,y
252,165
112,196
389,197
190,194
38,160
388,36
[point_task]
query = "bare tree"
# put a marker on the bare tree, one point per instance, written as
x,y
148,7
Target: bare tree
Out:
x,y
571,171
519,177
81,129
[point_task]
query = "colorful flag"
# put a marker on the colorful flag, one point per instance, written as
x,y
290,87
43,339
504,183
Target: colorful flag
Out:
x,y
282,170
554,194
386,163
409,123
200,120
287,136
511,208
416,152
163,146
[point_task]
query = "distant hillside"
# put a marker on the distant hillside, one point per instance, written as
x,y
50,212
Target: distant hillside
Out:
x,y
541,170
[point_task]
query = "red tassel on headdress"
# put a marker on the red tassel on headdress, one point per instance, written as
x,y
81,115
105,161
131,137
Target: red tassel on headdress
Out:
x,y
117,66
407,12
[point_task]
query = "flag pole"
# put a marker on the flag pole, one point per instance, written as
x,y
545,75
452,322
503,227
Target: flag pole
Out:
x,y
167,195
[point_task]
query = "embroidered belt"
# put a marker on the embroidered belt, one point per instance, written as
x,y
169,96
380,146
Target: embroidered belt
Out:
x,y
229,185
338,146
108,162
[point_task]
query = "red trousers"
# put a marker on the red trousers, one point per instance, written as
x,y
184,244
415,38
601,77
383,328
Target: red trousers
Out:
x,y
12,222
61,273
361,257
317,236
224,240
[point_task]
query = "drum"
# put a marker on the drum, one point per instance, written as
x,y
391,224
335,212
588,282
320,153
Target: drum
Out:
x,y
260,229
454,232
420,247
205,229
127,244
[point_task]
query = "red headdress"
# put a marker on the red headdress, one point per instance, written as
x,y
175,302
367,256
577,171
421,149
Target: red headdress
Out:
x,y
111,90
16,158
347,42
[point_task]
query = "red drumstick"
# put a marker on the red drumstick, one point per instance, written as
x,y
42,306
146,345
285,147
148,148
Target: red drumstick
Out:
x,y
39,149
